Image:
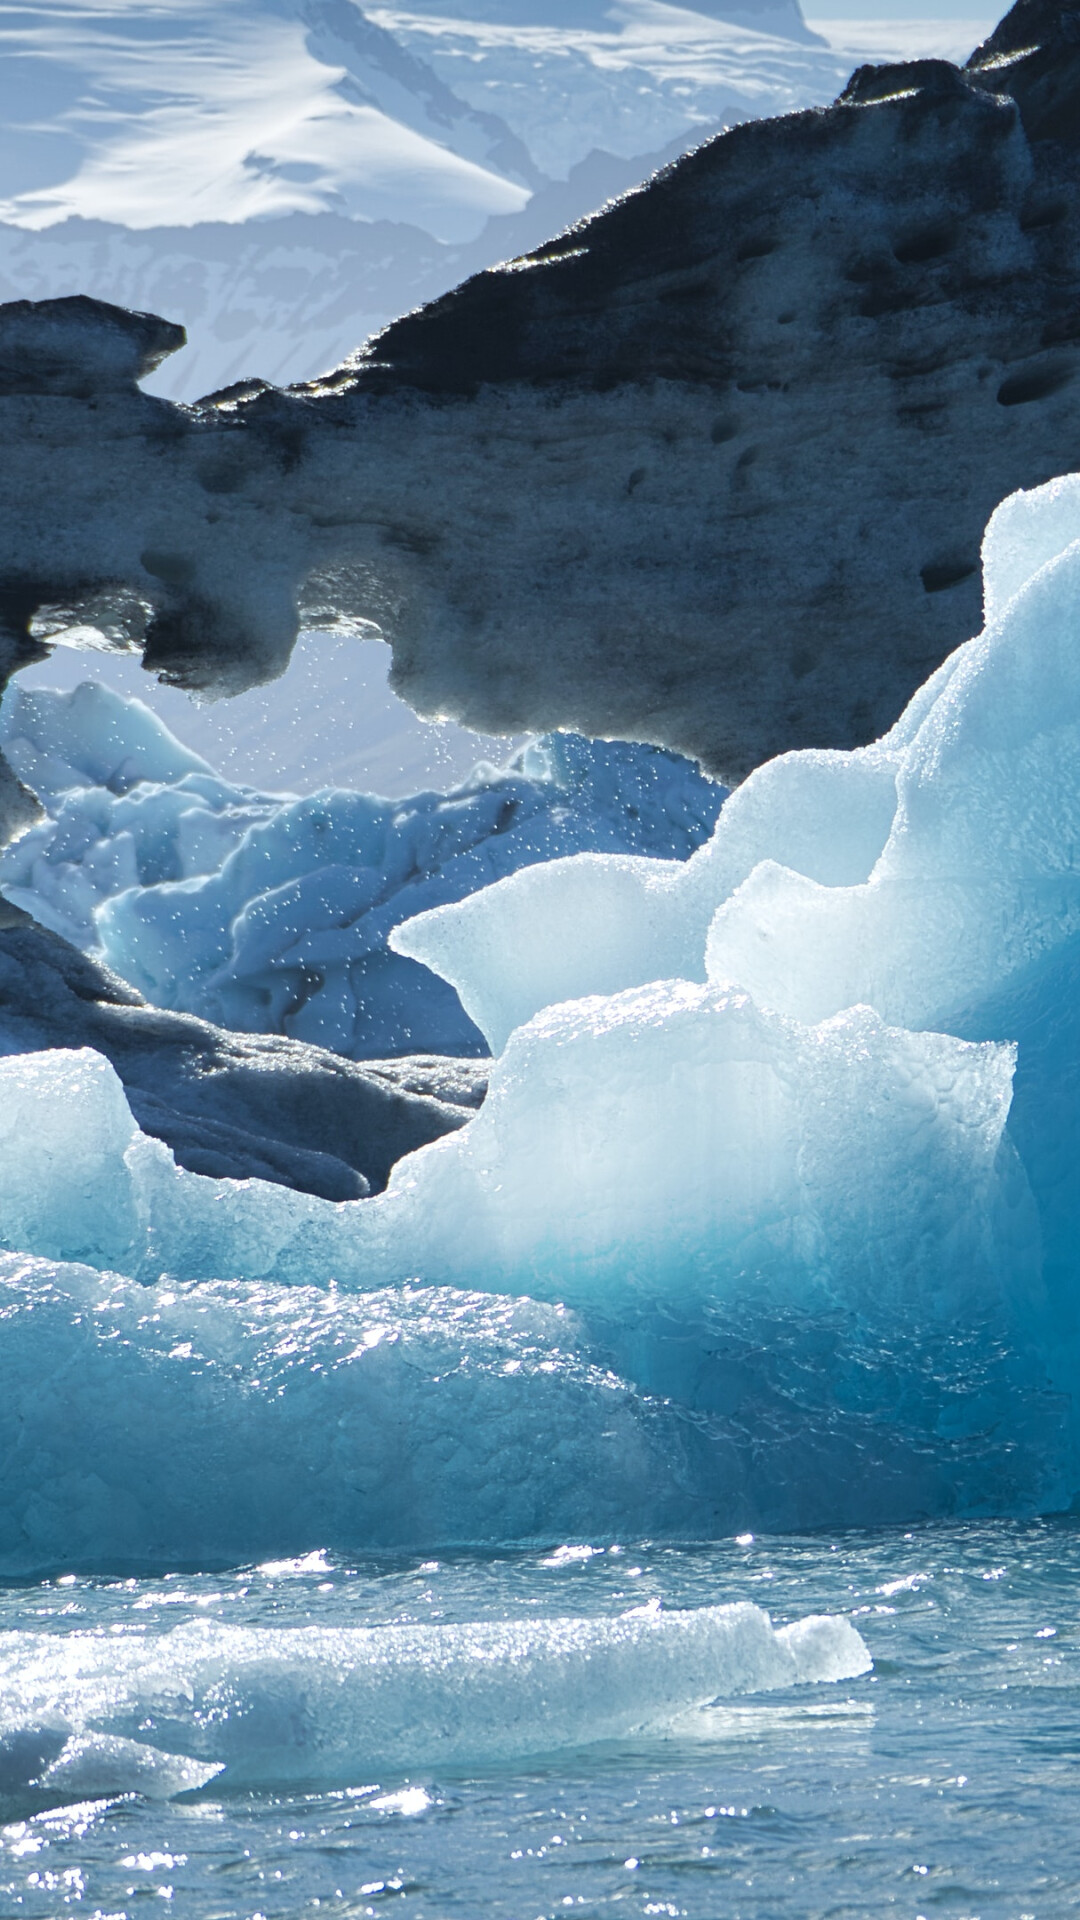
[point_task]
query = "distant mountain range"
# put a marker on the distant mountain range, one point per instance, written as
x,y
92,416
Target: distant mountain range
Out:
x,y
285,176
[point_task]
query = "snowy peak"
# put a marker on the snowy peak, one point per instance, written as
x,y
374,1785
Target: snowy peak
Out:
x,y
237,112
639,78
379,72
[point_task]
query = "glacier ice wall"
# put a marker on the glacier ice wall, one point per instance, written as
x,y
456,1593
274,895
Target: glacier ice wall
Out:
x,y
270,913
769,1218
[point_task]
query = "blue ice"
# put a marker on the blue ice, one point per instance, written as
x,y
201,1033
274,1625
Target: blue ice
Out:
x,y
770,1217
269,912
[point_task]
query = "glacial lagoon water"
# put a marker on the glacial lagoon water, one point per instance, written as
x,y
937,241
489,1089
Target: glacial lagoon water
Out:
x,y
942,1782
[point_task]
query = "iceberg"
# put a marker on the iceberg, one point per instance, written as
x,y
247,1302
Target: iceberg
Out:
x,y
928,880
769,1218
270,913
299,1377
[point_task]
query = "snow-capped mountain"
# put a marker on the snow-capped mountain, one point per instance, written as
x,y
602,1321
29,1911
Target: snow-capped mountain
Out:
x,y
196,112
285,176
633,81
765,16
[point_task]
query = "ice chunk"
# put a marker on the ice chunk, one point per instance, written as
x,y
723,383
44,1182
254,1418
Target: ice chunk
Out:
x,y
90,737
559,931
595,924
65,1127
1028,530
824,1647
315,1706
674,1120
978,876
271,913
699,1145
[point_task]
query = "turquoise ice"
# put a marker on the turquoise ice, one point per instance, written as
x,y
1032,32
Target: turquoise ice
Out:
x,y
769,1218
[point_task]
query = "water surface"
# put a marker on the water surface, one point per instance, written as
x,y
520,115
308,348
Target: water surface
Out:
x,y
944,1783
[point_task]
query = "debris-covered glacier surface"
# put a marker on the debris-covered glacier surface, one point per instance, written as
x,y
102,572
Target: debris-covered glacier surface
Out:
x,y
769,1217
270,913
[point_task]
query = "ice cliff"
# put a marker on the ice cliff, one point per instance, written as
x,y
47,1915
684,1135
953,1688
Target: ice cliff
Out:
x,y
769,1217
710,469
270,913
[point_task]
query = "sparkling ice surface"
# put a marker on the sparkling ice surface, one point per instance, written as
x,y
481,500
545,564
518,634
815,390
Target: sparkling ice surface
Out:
x,y
768,1223
943,1781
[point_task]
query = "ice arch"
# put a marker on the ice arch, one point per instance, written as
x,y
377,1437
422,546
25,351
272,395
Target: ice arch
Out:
x,y
710,470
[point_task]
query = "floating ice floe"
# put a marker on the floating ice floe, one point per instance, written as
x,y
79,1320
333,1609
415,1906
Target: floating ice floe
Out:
x,y
313,1706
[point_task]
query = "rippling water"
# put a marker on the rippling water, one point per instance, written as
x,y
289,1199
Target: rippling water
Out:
x,y
943,1783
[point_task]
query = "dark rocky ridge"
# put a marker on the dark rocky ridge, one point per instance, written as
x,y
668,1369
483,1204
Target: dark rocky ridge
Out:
x,y
710,469
229,1105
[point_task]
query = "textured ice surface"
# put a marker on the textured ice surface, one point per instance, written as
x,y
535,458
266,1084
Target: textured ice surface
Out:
x,y
752,1229
310,1706
270,913
770,1329
214,1424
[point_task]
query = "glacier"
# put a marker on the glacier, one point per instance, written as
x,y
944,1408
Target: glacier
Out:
x,y
769,1217
270,913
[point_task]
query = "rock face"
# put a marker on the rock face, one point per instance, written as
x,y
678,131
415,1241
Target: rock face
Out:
x,y
233,1106
709,470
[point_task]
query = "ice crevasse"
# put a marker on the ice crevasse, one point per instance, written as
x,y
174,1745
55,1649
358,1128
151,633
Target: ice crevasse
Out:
x,y
770,1217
